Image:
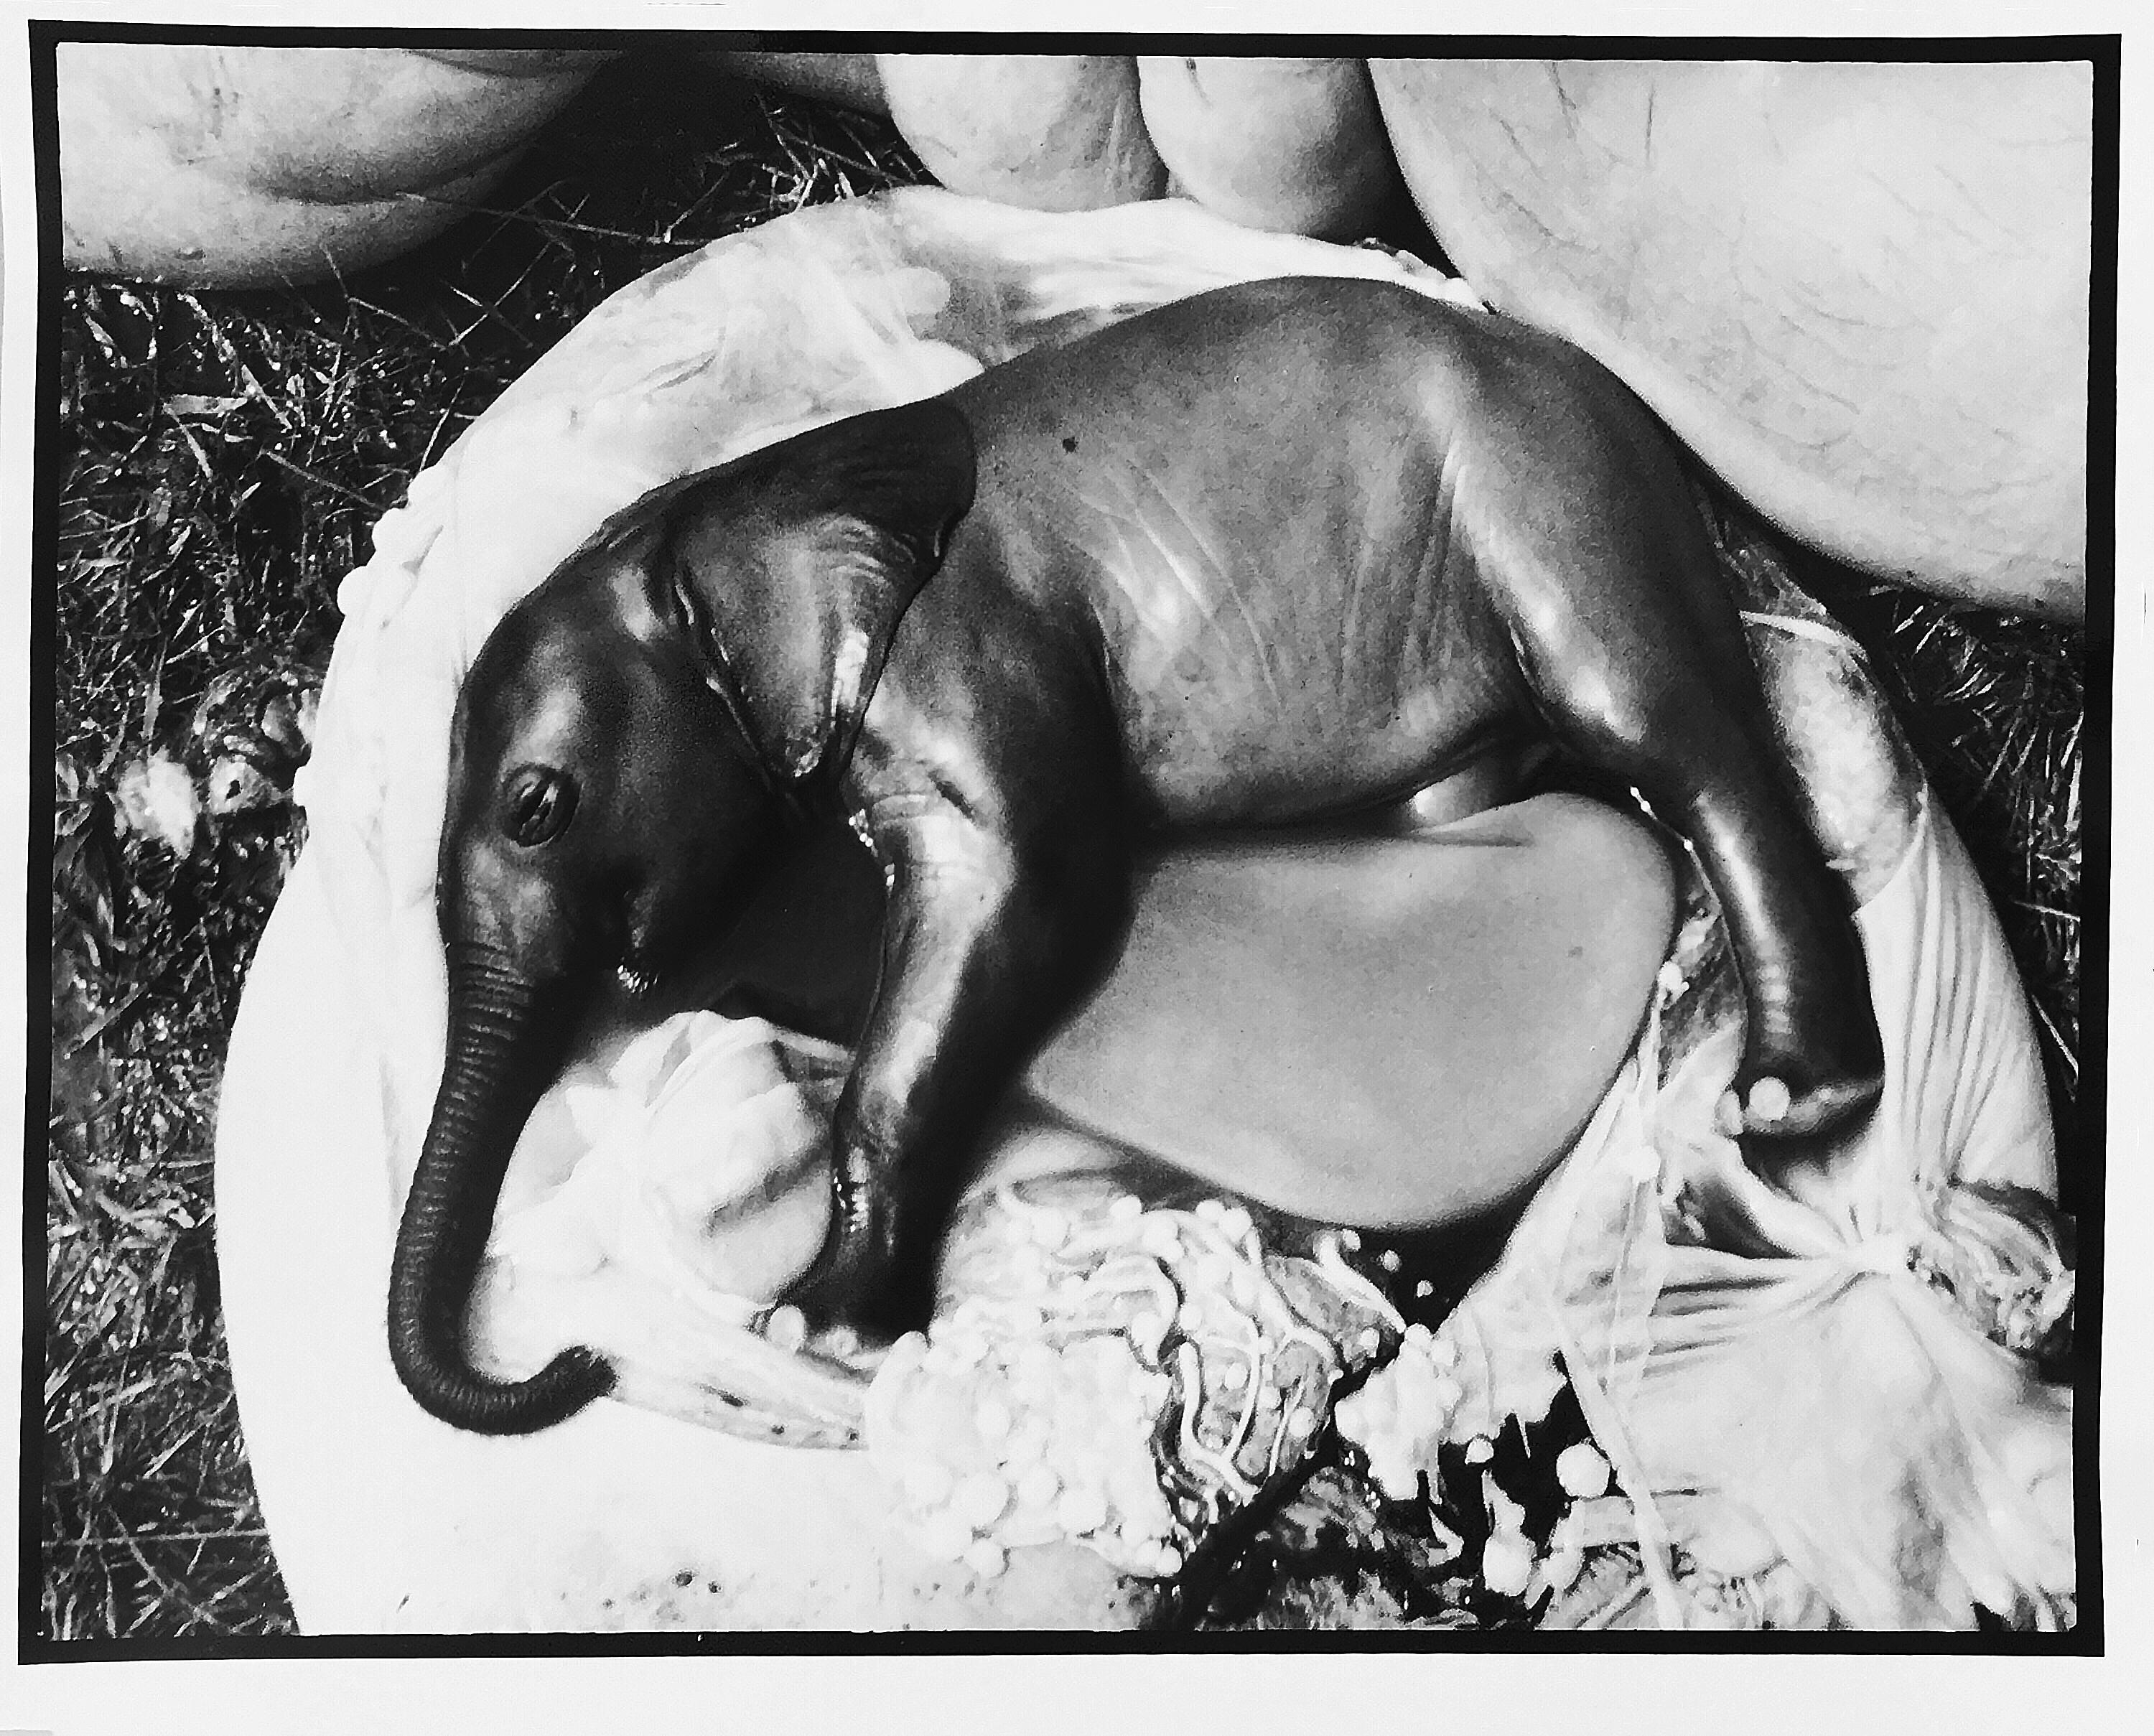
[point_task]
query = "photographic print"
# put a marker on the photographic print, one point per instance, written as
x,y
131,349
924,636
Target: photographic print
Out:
x,y
1086,849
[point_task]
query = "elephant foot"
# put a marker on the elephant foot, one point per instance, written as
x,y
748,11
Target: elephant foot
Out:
x,y
1789,1092
861,1278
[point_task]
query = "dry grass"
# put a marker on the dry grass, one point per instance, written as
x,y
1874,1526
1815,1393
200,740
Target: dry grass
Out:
x,y
224,458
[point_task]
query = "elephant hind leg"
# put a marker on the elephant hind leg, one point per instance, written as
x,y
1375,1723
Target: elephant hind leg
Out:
x,y
1592,554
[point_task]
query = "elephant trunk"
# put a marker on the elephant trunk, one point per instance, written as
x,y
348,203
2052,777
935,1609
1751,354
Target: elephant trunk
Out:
x,y
499,1042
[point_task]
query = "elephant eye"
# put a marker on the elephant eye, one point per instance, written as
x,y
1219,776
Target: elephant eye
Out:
x,y
540,803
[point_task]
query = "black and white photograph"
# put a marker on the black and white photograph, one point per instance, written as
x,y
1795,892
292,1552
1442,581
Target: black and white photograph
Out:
x,y
851,840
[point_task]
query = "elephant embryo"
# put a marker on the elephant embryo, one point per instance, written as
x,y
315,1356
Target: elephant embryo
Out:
x,y
1281,553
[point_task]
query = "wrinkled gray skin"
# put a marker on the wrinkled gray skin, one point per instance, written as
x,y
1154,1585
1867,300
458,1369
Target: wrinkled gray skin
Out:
x,y
1279,552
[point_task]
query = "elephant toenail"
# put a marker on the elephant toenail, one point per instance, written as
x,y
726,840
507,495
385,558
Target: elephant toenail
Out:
x,y
1769,1100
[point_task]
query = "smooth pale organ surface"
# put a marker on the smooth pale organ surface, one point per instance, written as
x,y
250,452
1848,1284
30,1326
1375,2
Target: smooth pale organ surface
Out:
x,y
1276,143
240,167
1858,292
1396,1031
1049,132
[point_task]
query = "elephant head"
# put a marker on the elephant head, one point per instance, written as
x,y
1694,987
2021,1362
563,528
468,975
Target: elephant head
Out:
x,y
633,747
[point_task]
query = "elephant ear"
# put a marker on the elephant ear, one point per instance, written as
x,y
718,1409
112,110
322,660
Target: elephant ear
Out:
x,y
794,565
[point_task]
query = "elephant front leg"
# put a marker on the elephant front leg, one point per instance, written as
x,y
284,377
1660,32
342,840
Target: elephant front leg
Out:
x,y
986,944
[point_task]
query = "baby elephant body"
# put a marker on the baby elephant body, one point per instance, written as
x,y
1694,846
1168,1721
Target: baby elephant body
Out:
x,y
1281,553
